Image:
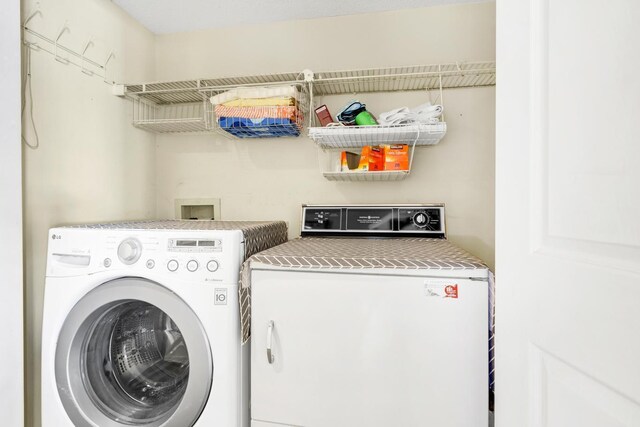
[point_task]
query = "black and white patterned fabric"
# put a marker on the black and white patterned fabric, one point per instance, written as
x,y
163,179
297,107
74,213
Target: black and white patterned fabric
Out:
x,y
355,253
179,224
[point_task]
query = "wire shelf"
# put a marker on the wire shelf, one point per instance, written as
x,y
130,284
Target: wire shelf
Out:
x,y
172,118
187,91
173,125
366,176
359,136
155,96
419,77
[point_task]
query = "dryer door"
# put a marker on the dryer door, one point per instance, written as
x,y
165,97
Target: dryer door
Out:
x,y
132,353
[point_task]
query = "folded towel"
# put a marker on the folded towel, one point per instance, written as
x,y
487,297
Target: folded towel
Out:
x,y
286,91
260,102
257,112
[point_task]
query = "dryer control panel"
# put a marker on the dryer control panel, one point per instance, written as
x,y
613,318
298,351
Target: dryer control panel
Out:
x,y
424,220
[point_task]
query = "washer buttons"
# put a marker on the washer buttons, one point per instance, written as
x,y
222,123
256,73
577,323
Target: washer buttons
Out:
x,y
172,265
107,262
192,265
212,266
151,263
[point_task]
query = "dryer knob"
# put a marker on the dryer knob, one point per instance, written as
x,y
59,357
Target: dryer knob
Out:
x,y
421,219
129,251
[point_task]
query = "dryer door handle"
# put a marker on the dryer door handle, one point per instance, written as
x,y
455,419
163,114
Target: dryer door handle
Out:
x,y
270,357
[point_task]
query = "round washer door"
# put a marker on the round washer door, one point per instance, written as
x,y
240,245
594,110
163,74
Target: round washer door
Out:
x,y
132,353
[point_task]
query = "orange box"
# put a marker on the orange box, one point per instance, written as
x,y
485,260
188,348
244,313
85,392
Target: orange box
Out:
x,y
371,158
396,157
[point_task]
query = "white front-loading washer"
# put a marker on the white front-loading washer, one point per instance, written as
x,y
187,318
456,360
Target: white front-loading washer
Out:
x,y
141,324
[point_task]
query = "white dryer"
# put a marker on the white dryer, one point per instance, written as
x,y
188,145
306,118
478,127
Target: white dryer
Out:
x,y
141,323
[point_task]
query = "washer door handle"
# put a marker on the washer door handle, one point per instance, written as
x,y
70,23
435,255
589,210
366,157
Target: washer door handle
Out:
x,y
270,327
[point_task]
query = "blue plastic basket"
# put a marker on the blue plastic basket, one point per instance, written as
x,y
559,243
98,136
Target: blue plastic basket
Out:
x,y
259,128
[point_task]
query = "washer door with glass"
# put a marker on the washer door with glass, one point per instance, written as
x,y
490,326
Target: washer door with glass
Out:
x,y
132,353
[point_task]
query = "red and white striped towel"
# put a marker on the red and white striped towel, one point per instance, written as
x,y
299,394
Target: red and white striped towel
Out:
x,y
271,112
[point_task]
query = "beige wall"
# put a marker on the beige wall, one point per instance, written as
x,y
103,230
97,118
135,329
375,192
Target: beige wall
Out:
x,y
92,165
270,179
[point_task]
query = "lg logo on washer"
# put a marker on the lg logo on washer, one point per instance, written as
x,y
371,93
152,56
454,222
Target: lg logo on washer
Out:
x,y
221,296
56,237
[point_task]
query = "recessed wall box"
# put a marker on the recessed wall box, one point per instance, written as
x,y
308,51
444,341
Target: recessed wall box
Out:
x,y
198,209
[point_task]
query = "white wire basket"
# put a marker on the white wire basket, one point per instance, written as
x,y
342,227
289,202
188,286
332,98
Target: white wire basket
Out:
x,y
352,176
329,162
267,121
172,118
359,136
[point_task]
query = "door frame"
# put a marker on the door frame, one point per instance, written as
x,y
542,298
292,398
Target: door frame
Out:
x,y
11,256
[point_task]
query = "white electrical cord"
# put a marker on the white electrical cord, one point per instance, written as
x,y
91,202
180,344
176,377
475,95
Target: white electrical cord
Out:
x,y
27,84
422,114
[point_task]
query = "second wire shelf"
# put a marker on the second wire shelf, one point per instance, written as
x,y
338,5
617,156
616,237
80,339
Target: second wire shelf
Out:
x,y
366,176
359,136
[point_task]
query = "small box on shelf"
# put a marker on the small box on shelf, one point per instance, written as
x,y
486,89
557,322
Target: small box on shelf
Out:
x,y
396,157
323,115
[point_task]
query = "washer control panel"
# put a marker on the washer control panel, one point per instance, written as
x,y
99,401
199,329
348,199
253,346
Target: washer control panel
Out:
x,y
194,255
185,255
201,256
374,220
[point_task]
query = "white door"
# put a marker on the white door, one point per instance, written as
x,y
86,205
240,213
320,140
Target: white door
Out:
x,y
568,213
356,350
